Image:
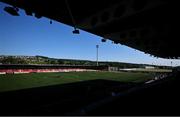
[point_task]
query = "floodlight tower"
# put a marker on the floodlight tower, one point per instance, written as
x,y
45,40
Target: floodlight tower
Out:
x,y
97,47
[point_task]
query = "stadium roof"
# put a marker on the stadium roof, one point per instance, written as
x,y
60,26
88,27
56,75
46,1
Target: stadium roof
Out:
x,y
146,25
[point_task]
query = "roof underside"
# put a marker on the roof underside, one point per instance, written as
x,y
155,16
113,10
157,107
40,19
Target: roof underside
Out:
x,y
146,25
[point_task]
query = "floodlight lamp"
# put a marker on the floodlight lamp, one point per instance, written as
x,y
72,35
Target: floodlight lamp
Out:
x,y
75,31
103,40
11,10
50,22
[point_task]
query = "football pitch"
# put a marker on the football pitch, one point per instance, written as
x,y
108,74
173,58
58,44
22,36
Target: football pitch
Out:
x,y
9,82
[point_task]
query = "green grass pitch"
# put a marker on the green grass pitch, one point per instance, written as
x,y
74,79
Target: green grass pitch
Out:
x,y
10,82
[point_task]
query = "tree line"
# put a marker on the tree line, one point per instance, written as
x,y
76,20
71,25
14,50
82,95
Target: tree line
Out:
x,y
46,60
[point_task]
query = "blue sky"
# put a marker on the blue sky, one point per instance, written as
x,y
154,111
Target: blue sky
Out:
x,y
26,35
